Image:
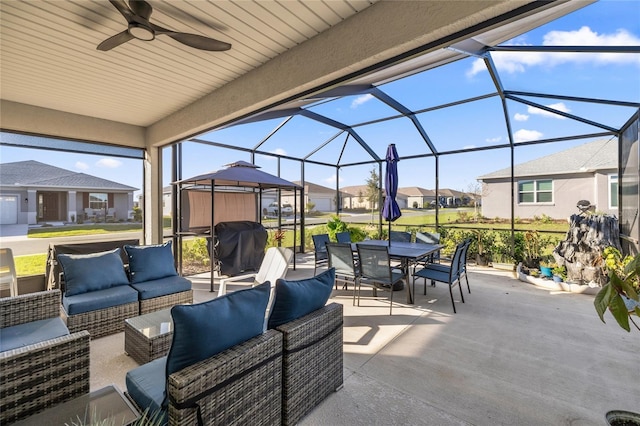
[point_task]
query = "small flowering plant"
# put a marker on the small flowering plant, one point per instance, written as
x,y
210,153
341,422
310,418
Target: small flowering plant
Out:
x,y
278,236
624,283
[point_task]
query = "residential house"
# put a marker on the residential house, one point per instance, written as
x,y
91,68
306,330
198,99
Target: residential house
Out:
x,y
355,197
553,185
323,198
32,192
418,197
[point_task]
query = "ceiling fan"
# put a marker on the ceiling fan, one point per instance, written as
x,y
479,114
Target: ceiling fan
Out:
x,y
137,14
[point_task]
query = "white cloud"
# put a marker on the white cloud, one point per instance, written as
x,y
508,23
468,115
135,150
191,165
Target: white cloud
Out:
x,y
81,165
515,62
520,117
360,100
523,135
279,151
109,163
332,179
560,106
494,140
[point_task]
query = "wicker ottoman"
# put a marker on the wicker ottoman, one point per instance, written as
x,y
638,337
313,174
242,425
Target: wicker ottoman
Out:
x,y
148,336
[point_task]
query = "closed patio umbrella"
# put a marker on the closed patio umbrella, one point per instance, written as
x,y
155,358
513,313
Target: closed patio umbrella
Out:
x,y
391,210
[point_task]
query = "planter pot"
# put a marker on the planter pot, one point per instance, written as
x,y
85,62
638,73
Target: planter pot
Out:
x,y
546,271
557,278
622,418
532,262
630,303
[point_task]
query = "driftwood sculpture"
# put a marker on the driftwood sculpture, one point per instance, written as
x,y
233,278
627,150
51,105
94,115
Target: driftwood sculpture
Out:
x,y
581,250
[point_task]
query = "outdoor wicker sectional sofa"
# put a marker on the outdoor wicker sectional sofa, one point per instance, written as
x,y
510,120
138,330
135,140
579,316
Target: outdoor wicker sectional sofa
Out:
x,y
245,374
42,364
99,293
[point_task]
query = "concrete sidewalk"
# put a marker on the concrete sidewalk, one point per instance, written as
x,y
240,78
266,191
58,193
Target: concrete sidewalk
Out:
x,y
514,354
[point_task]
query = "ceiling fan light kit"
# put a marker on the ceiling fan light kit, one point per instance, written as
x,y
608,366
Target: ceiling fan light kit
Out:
x,y
137,14
141,32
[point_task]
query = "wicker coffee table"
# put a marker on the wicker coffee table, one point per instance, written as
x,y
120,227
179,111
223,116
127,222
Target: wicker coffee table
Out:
x,y
148,336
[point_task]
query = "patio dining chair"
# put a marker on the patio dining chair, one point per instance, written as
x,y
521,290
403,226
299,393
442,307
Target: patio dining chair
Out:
x,y
449,275
376,271
343,237
430,238
400,236
341,258
462,262
8,276
320,256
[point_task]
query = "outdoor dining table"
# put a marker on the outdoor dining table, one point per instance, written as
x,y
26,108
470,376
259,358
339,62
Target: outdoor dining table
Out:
x,y
406,253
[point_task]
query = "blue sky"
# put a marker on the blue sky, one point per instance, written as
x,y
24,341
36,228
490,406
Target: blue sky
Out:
x,y
604,76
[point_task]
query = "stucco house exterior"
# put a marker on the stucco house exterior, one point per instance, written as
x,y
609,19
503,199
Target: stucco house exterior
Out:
x,y
32,192
552,185
418,197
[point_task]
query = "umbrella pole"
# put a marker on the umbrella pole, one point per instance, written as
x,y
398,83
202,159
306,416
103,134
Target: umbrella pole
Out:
x,y
389,233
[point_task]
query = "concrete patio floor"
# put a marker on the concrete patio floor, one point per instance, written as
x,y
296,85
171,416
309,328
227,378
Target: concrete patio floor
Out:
x,y
514,354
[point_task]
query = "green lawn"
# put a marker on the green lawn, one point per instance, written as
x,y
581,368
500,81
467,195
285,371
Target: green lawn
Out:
x,y
33,264
74,230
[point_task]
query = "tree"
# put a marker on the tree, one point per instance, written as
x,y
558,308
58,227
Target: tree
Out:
x,y
373,191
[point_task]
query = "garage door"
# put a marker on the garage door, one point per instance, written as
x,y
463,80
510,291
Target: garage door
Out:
x,y
323,204
8,210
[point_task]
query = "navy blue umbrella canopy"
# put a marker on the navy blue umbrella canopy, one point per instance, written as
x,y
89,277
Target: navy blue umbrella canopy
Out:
x,y
391,210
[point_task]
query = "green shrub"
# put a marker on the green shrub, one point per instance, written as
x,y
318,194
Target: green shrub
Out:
x,y
195,251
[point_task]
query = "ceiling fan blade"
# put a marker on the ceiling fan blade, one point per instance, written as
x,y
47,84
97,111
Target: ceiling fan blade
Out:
x,y
141,8
123,9
115,41
194,40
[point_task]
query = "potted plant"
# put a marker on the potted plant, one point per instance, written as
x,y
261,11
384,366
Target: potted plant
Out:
x,y
532,249
559,273
620,297
278,236
485,241
620,294
546,268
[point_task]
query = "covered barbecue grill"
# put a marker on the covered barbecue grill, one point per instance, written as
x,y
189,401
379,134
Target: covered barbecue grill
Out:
x,y
239,246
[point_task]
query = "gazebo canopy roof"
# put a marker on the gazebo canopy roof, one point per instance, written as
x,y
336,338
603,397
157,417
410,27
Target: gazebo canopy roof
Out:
x,y
240,174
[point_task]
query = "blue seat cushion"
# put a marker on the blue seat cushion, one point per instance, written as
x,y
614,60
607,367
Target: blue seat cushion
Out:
x,y
146,385
85,273
101,299
433,274
205,329
147,263
32,332
162,287
295,299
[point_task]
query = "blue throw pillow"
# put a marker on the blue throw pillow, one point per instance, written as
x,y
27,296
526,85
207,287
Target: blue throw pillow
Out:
x,y
205,329
295,299
91,272
147,263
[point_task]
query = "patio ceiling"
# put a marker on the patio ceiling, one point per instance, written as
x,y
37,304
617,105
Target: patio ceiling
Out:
x,y
55,83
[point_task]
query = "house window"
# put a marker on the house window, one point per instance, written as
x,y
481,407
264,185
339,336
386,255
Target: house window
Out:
x,y
98,200
613,191
535,191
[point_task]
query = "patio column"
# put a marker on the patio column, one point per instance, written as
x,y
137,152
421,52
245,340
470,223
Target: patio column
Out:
x,y
72,209
32,207
152,208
